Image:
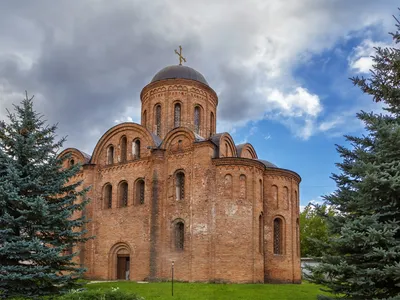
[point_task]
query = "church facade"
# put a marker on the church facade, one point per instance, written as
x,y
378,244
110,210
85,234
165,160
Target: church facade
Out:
x,y
173,191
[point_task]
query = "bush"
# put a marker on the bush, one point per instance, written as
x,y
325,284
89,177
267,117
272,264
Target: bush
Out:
x,y
113,294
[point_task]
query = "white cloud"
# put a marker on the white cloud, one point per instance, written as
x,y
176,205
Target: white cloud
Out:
x,y
105,53
298,103
361,59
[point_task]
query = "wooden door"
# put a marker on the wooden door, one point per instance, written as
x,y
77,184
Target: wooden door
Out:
x,y
121,267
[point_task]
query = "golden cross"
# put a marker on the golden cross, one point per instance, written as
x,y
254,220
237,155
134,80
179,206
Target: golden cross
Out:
x,y
180,55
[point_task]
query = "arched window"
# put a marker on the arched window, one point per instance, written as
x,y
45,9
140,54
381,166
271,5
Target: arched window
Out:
x,y
242,187
158,120
180,186
123,194
261,233
285,197
261,191
123,149
278,236
228,186
274,191
212,130
179,236
144,120
110,155
139,197
296,201
108,196
197,119
71,162
136,149
177,115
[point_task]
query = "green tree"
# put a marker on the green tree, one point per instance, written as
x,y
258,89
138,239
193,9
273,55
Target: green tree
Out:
x,y
37,203
362,258
313,230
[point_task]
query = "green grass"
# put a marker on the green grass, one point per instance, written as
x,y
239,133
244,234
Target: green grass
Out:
x,y
203,291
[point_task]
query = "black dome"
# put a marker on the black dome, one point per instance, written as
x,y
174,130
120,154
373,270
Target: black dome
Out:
x,y
178,71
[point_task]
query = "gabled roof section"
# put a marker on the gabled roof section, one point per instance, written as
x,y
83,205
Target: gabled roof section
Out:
x,y
83,157
218,137
245,150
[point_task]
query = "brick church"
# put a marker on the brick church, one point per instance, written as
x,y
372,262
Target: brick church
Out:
x,y
171,190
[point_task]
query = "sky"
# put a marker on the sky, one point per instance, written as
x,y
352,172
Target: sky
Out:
x,y
280,68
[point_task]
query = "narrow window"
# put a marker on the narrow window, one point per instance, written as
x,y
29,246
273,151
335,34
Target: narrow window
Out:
x,y
296,201
285,197
144,120
297,237
136,149
278,236
139,199
242,187
261,191
177,115
179,236
275,196
108,196
180,186
110,155
158,120
123,149
197,118
71,162
228,186
212,130
261,233
123,194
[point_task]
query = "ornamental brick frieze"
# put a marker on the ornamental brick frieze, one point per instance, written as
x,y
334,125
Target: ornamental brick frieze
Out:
x,y
238,161
282,175
122,166
177,88
236,168
157,90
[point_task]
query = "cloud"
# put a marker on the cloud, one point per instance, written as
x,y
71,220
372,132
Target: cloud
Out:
x,y
87,61
360,59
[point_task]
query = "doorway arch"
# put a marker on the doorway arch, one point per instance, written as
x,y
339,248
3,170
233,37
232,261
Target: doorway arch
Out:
x,y
120,262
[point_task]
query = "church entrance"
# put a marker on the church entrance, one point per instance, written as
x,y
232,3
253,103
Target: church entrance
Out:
x,y
123,262
119,263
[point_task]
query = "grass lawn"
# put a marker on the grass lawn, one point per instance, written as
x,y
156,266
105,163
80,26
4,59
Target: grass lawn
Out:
x,y
203,291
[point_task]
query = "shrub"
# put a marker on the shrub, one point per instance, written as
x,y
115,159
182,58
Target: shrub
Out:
x,y
113,294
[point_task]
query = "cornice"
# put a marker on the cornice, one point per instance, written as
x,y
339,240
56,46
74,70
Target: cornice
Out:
x,y
173,85
239,161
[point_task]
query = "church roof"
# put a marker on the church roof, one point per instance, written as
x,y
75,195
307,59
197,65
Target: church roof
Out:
x,y
86,156
239,148
178,71
267,163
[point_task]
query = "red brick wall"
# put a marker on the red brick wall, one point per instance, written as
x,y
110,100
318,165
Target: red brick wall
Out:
x,y
220,216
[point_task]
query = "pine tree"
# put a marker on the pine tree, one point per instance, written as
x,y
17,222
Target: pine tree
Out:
x,y
37,203
362,257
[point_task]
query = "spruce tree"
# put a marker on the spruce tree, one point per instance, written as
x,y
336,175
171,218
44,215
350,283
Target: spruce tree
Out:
x,y
37,202
362,257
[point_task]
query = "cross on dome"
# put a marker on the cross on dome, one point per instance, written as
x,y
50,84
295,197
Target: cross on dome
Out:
x,y
181,58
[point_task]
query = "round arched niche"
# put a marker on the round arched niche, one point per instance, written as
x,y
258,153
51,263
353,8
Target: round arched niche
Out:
x,y
120,262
